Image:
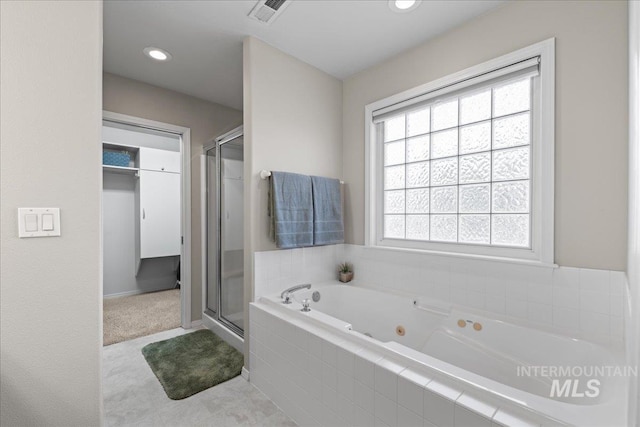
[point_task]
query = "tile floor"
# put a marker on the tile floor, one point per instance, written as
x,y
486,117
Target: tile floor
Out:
x,y
134,397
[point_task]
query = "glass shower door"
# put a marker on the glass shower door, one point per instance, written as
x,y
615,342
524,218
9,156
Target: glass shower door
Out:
x,y
225,232
232,233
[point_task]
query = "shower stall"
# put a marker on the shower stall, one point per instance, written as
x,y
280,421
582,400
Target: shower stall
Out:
x,y
224,290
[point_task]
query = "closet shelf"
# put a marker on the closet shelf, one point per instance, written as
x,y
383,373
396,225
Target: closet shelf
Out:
x,y
121,147
120,170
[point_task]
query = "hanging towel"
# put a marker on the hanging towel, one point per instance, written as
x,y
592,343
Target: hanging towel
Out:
x,y
291,210
328,227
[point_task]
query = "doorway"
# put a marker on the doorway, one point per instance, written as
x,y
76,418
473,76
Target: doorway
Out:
x,y
224,264
159,157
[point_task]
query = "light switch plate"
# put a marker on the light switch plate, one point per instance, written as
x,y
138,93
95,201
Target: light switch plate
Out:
x,y
47,222
28,217
31,222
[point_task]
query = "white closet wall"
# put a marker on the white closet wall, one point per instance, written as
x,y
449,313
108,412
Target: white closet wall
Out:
x,y
120,236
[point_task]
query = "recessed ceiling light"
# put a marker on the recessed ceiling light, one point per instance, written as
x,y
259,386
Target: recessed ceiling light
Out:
x,y
402,6
157,54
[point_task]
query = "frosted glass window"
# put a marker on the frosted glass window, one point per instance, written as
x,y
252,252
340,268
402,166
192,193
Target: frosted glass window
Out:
x,y
394,226
475,229
394,129
511,164
445,115
475,168
458,170
510,230
512,98
417,174
418,201
444,200
418,122
418,148
418,227
445,171
475,138
444,144
512,196
475,107
394,177
511,131
475,198
444,228
394,201
394,153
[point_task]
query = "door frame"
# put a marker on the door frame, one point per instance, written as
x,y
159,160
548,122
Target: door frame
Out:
x,y
185,200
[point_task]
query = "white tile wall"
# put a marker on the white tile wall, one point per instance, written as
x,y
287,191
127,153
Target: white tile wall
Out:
x,y
582,303
321,380
411,391
276,270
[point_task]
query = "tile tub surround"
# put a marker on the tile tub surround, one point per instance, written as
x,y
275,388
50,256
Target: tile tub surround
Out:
x,y
277,270
320,379
582,303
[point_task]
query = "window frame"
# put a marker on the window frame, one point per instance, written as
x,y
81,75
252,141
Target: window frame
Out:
x,y
542,169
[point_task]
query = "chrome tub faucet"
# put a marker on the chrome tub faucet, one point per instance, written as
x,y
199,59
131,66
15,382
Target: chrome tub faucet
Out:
x,y
286,294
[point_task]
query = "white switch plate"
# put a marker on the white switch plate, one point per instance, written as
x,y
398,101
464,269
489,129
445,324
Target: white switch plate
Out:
x,y
31,222
53,222
47,222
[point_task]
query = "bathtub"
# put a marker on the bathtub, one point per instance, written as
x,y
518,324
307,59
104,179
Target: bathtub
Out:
x,y
490,361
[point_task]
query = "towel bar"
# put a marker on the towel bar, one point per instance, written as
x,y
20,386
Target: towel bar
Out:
x,y
266,174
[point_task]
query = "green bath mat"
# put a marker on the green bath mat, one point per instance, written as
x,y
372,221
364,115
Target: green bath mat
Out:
x,y
188,364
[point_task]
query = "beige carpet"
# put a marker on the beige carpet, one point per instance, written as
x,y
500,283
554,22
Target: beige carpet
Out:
x,y
136,316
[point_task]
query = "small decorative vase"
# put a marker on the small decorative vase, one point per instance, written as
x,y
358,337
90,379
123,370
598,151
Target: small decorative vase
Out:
x,y
346,277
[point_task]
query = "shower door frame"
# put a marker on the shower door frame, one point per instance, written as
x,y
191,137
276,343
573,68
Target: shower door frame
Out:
x,y
219,142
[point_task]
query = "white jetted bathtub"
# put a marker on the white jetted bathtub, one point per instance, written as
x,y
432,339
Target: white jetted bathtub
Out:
x,y
500,364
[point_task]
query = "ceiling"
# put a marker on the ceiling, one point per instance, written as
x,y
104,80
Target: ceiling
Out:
x,y
340,37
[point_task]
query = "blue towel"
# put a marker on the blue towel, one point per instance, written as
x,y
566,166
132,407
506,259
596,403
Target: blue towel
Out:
x,y
291,210
328,227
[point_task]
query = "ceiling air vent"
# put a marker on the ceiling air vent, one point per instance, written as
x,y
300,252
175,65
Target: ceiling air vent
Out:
x,y
266,11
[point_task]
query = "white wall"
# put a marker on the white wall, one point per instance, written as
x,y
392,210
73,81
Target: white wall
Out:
x,y
591,113
633,272
51,305
206,121
292,123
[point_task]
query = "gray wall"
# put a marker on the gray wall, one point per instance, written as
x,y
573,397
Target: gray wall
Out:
x,y
51,304
591,113
206,121
292,123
